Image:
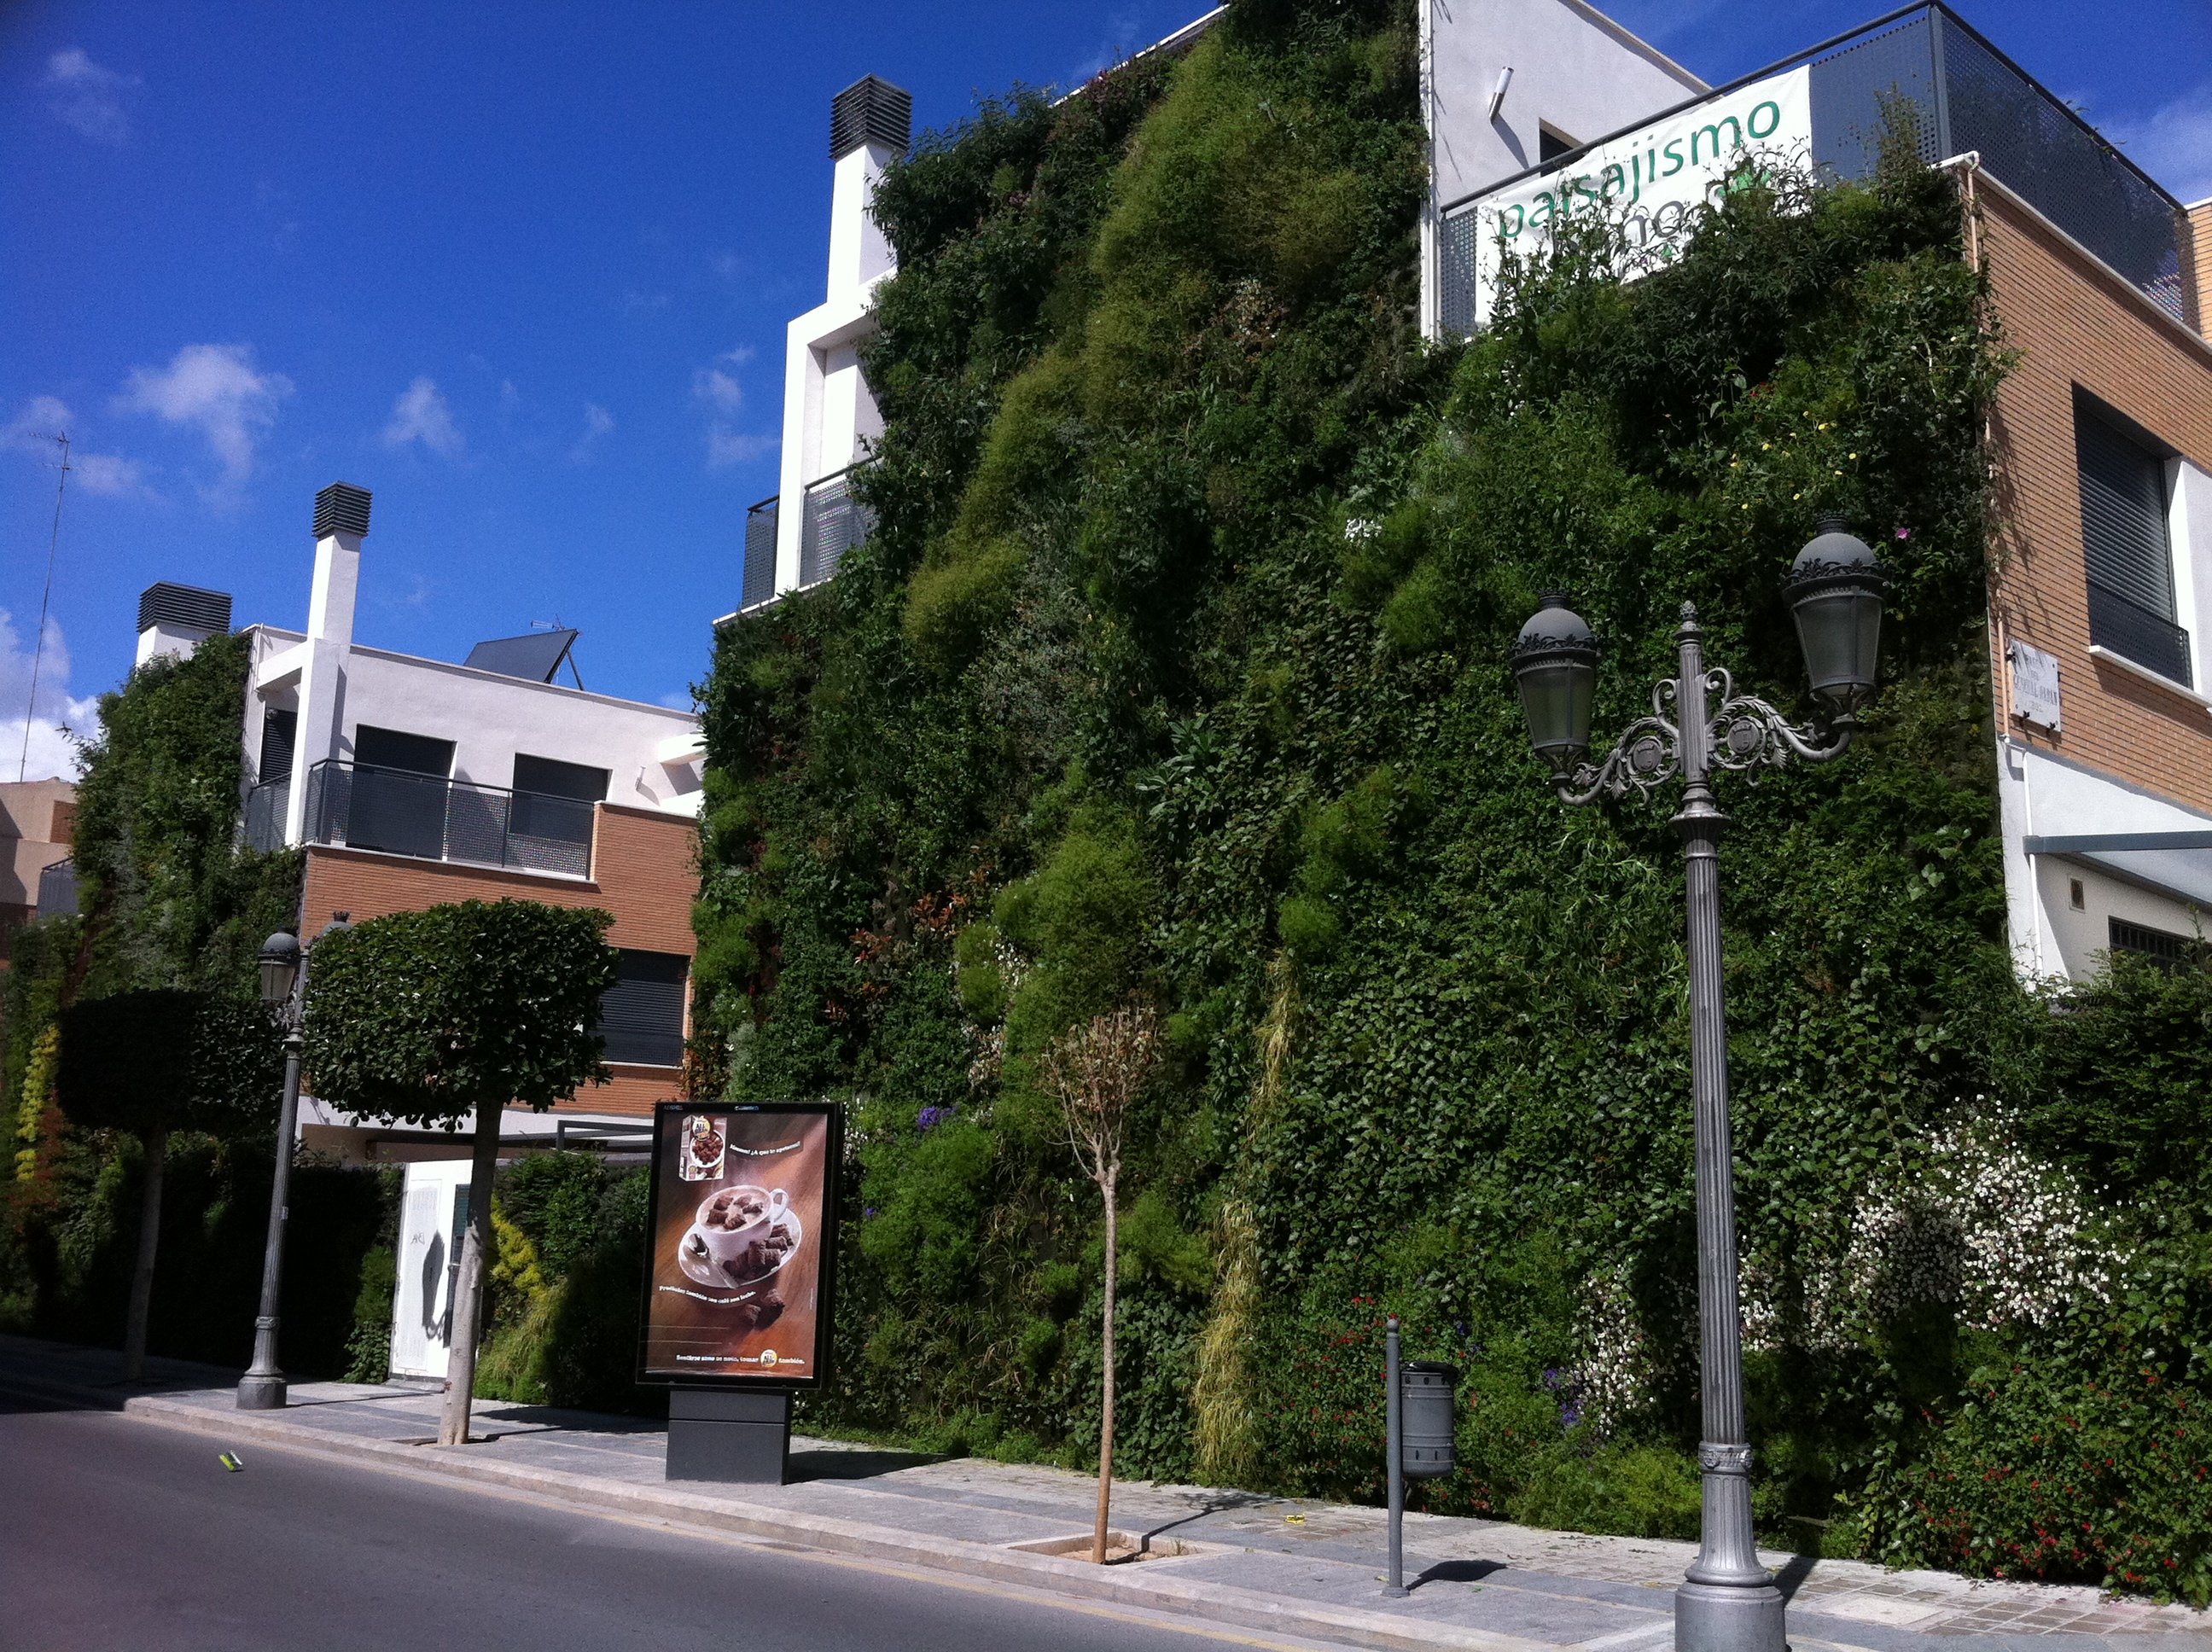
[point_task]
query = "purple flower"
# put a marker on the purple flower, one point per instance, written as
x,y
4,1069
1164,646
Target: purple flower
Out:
x,y
1905,534
930,1117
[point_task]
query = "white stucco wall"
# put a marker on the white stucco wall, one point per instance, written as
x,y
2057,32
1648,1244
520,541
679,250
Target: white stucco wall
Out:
x,y
2040,795
490,718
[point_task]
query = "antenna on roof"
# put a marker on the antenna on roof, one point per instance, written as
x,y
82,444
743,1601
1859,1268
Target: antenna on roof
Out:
x,y
38,649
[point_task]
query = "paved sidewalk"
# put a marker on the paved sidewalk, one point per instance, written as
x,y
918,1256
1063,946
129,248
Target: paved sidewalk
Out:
x,y
1299,1568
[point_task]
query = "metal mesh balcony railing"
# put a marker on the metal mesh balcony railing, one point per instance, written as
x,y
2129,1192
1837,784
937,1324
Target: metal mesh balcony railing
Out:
x,y
58,888
433,818
2150,639
836,522
1965,95
266,807
760,555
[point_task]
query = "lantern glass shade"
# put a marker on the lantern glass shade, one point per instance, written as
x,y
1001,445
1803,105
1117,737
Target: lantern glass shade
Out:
x,y
279,966
1835,590
1555,663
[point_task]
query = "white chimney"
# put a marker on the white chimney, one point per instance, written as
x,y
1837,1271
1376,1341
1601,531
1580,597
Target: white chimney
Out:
x,y
175,619
341,524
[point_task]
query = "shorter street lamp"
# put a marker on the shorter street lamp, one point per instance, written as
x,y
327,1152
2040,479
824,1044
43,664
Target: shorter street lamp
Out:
x,y
1728,1602
284,990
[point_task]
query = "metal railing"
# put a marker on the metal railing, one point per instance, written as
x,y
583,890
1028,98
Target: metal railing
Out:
x,y
266,807
1965,95
432,818
58,888
2150,639
835,523
760,555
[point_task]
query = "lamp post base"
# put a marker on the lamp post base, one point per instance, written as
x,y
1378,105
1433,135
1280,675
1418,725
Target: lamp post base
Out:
x,y
1729,1617
258,1392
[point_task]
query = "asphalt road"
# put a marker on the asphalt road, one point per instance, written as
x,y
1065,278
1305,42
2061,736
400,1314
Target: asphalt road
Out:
x,y
119,1534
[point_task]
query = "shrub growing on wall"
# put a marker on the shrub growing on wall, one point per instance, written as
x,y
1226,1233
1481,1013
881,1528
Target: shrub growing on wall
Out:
x,y
1178,659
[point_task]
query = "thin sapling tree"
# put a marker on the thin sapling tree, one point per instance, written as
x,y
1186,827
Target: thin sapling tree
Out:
x,y
1097,1070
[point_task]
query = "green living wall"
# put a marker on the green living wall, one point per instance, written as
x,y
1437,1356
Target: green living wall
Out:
x,y
1175,664
167,898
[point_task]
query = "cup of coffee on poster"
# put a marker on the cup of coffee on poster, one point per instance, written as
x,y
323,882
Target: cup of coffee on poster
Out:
x,y
743,1229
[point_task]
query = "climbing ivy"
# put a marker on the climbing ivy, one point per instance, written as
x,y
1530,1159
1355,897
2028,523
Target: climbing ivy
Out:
x,y
1176,664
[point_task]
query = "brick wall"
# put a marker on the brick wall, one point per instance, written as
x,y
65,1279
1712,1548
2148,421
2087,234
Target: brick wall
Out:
x,y
2073,323
644,871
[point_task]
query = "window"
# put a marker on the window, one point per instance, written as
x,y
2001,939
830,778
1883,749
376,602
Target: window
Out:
x,y
558,780
416,754
2162,947
280,729
2124,548
641,1016
1552,143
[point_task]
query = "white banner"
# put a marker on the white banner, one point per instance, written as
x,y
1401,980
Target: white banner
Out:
x,y
1653,180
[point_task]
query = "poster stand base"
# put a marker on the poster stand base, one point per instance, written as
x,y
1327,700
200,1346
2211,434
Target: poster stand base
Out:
x,y
737,1437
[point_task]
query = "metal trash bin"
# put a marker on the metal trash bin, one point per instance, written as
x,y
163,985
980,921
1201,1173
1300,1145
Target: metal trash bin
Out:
x,y
1428,1398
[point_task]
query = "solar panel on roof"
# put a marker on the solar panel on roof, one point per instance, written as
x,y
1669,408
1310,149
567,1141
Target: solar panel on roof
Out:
x,y
533,658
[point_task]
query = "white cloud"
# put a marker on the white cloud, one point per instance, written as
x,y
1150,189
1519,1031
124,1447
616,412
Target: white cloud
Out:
x,y
725,446
2174,143
87,98
421,415
215,389
43,418
598,423
638,303
716,388
52,719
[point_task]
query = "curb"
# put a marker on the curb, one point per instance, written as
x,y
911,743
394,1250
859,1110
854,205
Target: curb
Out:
x,y
1216,1602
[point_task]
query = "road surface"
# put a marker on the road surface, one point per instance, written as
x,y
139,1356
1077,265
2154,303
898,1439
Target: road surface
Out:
x,y
120,1534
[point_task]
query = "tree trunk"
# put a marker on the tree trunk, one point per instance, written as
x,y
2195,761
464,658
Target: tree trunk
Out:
x,y
468,1283
1106,1412
150,1238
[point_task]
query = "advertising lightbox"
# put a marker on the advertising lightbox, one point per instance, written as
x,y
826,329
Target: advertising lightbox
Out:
x,y
741,1239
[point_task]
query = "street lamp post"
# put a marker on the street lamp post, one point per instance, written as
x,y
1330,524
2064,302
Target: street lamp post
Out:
x,y
284,989
1728,1602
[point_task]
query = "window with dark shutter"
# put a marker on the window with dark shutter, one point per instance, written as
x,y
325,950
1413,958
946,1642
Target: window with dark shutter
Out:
x,y
642,1015
2162,947
2124,548
280,729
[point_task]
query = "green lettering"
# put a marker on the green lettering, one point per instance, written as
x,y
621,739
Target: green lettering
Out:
x,y
1518,215
1612,181
1542,210
1773,109
1728,121
1673,154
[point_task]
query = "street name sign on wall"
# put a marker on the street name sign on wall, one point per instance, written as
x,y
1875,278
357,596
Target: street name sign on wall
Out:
x,y
1653,180
742,1235
2034,685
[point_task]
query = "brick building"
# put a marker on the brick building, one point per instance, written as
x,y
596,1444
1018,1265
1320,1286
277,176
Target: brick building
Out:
x,y
412,782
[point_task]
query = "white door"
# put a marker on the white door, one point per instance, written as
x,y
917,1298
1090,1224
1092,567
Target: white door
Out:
x,y
433,1211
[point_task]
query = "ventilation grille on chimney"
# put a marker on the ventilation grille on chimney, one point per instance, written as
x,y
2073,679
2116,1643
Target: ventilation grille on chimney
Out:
x,y
870,111
183,608
341,508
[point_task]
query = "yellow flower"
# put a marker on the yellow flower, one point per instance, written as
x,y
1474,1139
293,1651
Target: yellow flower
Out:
x,y
1763,446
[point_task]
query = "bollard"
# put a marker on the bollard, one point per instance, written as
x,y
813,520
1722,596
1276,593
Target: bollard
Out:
x,y
1394,1447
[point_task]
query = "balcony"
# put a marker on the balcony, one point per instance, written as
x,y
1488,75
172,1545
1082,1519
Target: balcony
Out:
x,y
836,522
58,889
351,805
1968,96
2150,639
760,555
266,805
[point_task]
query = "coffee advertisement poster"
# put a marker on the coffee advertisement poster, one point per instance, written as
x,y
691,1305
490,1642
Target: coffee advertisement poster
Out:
x,y
737,1286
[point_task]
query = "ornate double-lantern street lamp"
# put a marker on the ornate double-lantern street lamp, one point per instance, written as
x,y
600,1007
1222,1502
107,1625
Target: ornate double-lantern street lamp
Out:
x,y
1728,1602
284,990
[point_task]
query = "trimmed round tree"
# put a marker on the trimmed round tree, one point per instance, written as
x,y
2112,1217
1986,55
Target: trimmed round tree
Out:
x,y
454,1012
155,1062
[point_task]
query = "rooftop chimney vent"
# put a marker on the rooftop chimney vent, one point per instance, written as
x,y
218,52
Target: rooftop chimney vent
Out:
x,y
342,508
870,111
183,608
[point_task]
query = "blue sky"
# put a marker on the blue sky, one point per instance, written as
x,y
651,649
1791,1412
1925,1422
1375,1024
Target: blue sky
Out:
x,y
523,272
